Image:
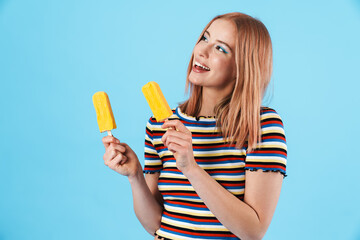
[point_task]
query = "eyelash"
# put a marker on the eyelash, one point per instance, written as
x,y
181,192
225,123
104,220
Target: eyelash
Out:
x,y
222,49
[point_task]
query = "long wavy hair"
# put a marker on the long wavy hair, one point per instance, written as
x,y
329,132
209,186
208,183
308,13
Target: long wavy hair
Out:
x,y
238,114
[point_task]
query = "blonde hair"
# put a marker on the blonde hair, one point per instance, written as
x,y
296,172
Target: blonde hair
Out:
x,y
238,114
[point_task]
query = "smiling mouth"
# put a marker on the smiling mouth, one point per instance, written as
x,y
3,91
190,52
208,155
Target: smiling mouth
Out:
x,y
200,66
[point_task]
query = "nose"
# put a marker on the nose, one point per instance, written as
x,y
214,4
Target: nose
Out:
x,y
203,50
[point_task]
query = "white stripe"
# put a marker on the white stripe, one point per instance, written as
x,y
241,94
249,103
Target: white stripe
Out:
x,y
221,151
211,166
194,226
177,237
266,159
192,199
149,150
170,186
193,212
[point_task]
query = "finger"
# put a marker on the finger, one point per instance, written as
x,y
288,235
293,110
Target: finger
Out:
x,y
110,153
124,159
127,147
118,160
179,141
174,147
177,134
175,124
118,147
124,145
109,139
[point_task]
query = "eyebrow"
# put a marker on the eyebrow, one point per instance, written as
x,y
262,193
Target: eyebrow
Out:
x,y
220,41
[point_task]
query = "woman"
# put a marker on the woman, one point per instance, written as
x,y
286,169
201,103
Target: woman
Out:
x,y
196,162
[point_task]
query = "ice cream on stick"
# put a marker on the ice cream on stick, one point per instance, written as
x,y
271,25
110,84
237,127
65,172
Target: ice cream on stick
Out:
x,y
156,101
105,117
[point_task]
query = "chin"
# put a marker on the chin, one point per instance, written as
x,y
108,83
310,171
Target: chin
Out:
x,y
195,81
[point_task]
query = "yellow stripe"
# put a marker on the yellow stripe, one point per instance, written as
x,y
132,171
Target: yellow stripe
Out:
x,y
249,160
172,209
280,130
153,163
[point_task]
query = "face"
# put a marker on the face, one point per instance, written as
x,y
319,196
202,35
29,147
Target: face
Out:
x,y
216,52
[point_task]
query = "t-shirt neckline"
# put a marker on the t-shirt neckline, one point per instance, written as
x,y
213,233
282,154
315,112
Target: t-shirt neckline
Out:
x,y
207,119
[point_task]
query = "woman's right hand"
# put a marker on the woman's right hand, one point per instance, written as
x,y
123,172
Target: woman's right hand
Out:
x,y
120,157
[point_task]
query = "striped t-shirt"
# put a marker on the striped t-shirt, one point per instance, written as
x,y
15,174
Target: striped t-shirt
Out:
x,y
185,215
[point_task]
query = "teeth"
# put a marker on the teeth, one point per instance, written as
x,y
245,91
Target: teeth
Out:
x,y
198,64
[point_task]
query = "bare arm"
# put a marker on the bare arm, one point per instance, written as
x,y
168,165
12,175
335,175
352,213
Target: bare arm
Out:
x,y
248,219
147,201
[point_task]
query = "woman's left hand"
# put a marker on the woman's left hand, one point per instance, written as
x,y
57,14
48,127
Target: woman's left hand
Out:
x,y
178,139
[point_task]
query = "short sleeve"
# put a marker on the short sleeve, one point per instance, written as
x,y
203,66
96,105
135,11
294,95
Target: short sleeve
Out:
x,y
153,162
271,153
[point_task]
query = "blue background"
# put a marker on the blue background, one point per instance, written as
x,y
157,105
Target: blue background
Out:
x,y
54,55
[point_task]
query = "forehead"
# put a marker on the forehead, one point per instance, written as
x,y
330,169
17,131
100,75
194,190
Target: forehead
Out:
x,y
223,30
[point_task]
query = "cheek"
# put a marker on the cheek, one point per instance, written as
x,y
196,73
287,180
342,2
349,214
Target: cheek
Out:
x,y
224,66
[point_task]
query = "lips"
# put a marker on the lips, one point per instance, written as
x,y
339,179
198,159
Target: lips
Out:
x,y
200,65
198,69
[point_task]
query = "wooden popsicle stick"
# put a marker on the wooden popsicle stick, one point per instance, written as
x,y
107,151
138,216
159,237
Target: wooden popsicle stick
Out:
x,y
109,133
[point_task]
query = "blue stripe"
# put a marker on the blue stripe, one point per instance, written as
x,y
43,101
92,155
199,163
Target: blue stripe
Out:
x,y
194,236
151,147
186,207
274,140
168,183
214,162
272,125
176,196
218,148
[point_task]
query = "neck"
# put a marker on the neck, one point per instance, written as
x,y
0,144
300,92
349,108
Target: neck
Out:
x,y
211,97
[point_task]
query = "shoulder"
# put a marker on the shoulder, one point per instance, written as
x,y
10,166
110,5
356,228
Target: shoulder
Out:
x,y
272,126
269,115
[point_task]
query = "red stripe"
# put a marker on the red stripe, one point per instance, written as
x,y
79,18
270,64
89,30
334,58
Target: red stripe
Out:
x,y
190,218
199,234
221,159
151,156
222,171
174,181
218,159
205,135
158,134
273,137
173,170
267,151
271,122
185,183
149,144
215,146
180,194
186,204
233,184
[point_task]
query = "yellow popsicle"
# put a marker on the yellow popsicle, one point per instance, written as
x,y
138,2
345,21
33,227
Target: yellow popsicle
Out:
x,y
105,117
156,101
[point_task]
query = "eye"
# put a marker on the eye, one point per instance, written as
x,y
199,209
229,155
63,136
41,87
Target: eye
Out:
x,y
203,38
221,49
